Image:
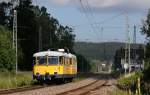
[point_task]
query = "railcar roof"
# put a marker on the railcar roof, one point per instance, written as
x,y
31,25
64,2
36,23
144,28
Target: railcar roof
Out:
x,y
53,53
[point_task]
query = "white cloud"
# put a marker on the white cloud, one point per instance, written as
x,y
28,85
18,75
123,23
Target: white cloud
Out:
x,y
60,2
131,5
104,5
5,0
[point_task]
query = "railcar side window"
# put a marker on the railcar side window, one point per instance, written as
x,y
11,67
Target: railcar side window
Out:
x,y
70,59
65,61
53,60
61,60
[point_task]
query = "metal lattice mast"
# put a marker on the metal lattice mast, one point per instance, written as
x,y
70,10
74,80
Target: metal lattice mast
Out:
x,y
127,42
15,38
15,43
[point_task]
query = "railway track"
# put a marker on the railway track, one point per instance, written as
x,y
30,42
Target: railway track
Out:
x,y
28,88
85,90
20,89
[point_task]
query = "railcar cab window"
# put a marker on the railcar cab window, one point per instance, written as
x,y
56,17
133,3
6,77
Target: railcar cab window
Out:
x,y
53,60
41,60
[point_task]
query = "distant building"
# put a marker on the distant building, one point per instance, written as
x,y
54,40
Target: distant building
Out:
x,y
134,64
136,59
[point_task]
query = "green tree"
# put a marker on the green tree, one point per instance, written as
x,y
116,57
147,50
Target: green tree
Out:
x,y
7,53
65,37
27,34
5,14
117,58
146,30
35,23
47,26
83,63
53,34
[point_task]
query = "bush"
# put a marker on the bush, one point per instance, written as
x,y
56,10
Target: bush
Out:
x,y
9,80
129,82
7,53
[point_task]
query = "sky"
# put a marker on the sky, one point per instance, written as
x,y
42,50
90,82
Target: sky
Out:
x,y
99,20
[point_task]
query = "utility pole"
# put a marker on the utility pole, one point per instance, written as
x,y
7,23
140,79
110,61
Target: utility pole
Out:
x,y
127,46
15,44
134,35
127,50
15,38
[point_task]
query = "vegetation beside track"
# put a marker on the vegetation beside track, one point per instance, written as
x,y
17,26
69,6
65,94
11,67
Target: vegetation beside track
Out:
x,y
128,81
133,83
11,80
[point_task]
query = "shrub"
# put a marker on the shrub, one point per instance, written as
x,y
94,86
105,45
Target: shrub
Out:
x,y
129,82
9,80
7,53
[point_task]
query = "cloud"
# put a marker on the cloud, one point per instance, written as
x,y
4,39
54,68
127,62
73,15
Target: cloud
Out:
x,y
104,5
108,5
5,1
60,2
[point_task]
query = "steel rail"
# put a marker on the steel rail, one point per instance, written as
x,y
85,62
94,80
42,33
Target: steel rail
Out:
x,y
20,89
85,89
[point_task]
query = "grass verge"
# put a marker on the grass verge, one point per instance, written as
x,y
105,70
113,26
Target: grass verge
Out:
x,y
11,80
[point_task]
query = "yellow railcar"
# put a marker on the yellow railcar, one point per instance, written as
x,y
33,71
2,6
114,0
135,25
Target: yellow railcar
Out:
x,y
58,64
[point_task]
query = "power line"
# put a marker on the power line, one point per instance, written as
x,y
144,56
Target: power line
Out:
x,y
92,16
88,18
103,21
118,27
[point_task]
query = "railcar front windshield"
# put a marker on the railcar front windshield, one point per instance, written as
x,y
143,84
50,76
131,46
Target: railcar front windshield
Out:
x,y
53,60
42,60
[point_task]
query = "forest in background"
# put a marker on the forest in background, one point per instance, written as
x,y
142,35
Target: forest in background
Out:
x,y
100,51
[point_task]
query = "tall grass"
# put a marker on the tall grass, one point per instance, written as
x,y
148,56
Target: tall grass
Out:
x,y
11,80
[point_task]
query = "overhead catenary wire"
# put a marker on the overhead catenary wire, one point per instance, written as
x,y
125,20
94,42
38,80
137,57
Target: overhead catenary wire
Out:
x,y
84,9
97,26
103,21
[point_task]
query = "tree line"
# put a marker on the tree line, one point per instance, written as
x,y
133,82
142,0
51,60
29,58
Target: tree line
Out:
x,y
145,29
38,30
